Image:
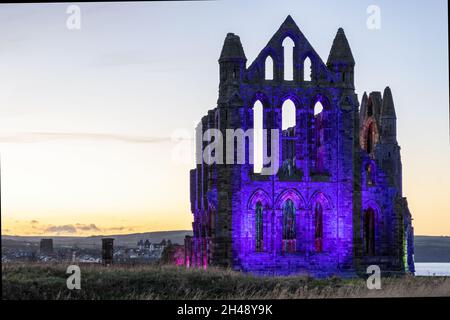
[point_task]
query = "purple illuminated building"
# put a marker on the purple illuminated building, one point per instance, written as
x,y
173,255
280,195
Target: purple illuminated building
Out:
x,y
335,206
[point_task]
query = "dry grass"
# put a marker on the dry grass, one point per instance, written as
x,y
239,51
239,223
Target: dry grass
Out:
x,y
48,281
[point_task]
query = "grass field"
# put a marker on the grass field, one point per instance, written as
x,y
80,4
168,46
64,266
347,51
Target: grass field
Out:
x,y
48,281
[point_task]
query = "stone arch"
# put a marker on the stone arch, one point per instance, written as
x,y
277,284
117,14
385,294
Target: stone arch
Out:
x,y
323,98
269,68
318,226
322,198
288,114
259,196
292,194
288,45
267,53
288,34
374,205
290,95
319,129
261,97
369,126
320,218
304,59
373,208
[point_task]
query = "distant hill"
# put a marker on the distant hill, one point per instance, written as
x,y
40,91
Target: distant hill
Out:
x,y
427,248
431,249
176,236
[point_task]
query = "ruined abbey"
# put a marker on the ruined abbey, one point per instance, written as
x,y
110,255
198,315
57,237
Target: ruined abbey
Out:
x,y
335,205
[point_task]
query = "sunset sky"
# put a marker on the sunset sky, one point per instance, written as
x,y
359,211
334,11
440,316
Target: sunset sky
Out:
x,y
88,117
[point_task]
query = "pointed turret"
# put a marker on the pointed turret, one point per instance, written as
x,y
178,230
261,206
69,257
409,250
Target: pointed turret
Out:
x,y
232,49
388,119
363,110
232,65
340,52
341,61
388,109
389,150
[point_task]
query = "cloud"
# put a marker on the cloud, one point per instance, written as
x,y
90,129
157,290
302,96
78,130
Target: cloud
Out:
x,y
68,228
35,227
86,227
112,229
32,137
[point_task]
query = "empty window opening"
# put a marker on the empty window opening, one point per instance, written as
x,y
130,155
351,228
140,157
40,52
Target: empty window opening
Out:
x,y
307,69
268,68
288,48
319,138
257,137
318,108
288,115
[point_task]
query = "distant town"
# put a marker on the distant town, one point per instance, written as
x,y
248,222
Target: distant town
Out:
x,y
97,250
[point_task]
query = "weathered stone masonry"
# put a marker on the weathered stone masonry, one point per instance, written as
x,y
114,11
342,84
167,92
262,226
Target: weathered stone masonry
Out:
x,y
336,204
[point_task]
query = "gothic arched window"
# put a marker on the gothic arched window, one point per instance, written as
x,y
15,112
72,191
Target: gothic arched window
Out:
x,y
288,117
369,232
289,226
318,228
269,68
307,69
288,47
259,226
257,136
319,137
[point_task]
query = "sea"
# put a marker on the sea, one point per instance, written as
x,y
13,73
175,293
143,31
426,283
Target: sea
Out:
x,y
432,269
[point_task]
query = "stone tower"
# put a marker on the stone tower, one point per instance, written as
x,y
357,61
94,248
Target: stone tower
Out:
x,y
333,204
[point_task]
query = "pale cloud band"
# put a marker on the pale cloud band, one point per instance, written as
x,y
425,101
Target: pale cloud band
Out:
x,y
33,137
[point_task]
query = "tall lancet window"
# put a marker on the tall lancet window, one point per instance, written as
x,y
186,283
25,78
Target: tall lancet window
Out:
x,y
289,226
257,137
268,68
369,232
307,69
288,48
259,227
319,138
318,228
369,142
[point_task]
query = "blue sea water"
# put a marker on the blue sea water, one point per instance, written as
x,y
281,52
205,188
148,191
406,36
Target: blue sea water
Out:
x,y
432,269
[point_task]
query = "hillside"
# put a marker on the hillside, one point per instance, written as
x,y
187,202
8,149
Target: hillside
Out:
x,y
48,281
431,249
176,236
